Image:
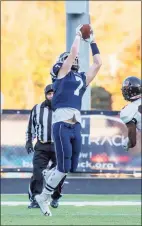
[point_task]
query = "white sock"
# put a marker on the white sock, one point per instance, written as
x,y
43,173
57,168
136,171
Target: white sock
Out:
x,y
52,181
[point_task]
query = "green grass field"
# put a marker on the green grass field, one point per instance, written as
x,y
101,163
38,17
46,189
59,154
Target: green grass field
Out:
x,y
99,210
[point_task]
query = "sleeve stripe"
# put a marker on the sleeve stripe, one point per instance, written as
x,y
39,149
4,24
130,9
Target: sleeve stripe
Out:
x,y
30,133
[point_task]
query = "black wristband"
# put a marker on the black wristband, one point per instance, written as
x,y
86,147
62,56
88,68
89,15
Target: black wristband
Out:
x,y
94,48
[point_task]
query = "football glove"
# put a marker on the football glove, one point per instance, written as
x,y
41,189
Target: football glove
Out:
x,y
29,147
91,38
125,144
78,32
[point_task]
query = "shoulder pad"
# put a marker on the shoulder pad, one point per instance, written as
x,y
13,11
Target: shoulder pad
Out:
x,y
128,112
82,74
54,71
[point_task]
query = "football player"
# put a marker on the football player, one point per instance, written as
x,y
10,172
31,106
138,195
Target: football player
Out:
x,y
69,85
131,114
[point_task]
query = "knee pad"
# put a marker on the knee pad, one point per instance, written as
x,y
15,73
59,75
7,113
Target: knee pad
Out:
x,y
55,177
46,173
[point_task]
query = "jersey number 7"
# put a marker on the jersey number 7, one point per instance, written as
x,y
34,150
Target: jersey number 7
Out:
x,y
76,92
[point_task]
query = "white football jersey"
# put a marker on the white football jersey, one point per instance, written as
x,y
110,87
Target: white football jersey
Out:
x,y
131,112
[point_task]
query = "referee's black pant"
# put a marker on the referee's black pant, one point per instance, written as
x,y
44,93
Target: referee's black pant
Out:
x,y
43,154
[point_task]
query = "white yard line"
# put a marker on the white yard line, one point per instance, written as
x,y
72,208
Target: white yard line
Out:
x,y
79,214
83,203
14,194
25,194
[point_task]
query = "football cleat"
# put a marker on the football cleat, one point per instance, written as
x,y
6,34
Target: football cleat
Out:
x,y
54,203
33,205
42,200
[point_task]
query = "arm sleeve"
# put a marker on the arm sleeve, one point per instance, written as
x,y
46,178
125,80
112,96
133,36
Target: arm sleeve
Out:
x,y
31,129
128,113
54,71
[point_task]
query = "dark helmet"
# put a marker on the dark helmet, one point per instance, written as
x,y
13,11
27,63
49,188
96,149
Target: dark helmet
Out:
x,y
64,56
48,88
131,88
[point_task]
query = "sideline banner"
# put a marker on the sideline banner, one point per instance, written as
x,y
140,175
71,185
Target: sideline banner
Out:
x,y
102,150
102,137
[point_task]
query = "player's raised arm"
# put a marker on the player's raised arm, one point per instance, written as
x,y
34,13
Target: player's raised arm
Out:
x,y
93,70
66,67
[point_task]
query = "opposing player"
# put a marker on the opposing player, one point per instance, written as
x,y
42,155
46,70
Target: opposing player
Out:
x,y
69,85
132,113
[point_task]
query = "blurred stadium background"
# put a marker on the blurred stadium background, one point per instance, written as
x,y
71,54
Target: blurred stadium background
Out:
x,y
33,34
31,31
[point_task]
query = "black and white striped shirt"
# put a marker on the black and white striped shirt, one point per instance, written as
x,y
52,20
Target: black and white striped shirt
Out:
x,y
40,124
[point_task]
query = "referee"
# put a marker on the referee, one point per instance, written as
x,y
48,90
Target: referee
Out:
x,y
39,127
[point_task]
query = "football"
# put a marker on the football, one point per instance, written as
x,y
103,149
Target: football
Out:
x,y
86,31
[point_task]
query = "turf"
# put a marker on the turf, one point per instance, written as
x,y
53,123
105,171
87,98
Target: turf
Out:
x,y
74,215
